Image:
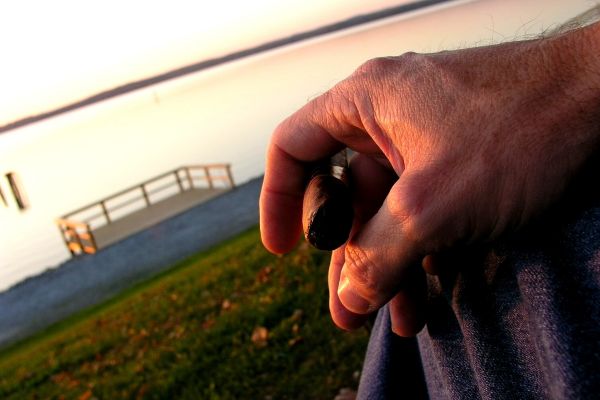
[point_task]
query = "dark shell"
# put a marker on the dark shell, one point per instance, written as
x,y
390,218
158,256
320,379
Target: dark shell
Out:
x,y
327,212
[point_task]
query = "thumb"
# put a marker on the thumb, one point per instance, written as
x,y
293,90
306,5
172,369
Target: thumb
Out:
x,y
379,257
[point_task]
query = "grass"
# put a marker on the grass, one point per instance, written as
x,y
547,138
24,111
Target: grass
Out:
x,y
231,323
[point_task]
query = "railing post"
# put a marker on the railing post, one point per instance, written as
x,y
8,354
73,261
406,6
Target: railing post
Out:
x,y
105,211
92,238
65,239
176,172
228,167
208,177
145,194
189,177
79,242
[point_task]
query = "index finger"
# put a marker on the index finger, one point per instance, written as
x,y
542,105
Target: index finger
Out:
x,y
318,130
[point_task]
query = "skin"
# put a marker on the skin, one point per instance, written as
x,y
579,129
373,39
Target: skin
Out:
x,y
454,148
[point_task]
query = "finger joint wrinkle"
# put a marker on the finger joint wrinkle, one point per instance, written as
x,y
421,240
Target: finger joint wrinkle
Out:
x,y
361,268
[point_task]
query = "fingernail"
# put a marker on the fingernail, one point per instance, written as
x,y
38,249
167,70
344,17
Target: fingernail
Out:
x,y
350,298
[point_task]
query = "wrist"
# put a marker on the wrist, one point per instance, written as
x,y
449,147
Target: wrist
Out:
x,y
573,63
580,53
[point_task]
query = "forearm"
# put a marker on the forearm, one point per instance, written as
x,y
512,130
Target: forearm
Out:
x,y
558,78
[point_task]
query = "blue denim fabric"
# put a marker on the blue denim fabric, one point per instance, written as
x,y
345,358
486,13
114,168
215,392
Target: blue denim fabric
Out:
x,y
392,366
519,320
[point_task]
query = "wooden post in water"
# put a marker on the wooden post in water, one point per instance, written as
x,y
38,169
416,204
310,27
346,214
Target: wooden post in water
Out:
x,y
3,198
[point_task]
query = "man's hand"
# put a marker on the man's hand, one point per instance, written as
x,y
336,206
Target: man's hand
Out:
x,y
453,148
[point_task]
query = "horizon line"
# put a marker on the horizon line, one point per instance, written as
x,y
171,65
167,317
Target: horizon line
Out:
x,y
213,62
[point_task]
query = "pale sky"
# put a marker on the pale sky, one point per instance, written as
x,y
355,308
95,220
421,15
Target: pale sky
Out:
x,y
55,52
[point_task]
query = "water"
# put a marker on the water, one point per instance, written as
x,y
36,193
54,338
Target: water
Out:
x,y
222,115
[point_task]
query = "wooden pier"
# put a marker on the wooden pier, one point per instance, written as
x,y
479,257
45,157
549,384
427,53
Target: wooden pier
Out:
x,y
114,218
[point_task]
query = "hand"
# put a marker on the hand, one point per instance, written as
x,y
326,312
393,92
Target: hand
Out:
x,y
453,148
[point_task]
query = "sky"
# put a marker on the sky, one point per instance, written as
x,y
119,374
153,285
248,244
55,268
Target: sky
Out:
x,y
51,49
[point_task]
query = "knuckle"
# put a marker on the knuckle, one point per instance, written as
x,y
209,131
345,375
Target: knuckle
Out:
x,y
405,64
378,65
410,56
406,207
385,64
412,60
362,271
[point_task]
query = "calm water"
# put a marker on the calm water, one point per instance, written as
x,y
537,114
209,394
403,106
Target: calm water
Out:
x,y
221,115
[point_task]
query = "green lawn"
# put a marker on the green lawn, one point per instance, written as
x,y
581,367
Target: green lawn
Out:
x,y
231,323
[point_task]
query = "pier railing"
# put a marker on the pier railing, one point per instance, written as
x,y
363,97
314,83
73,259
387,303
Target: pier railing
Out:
x,y
78,236
77,226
